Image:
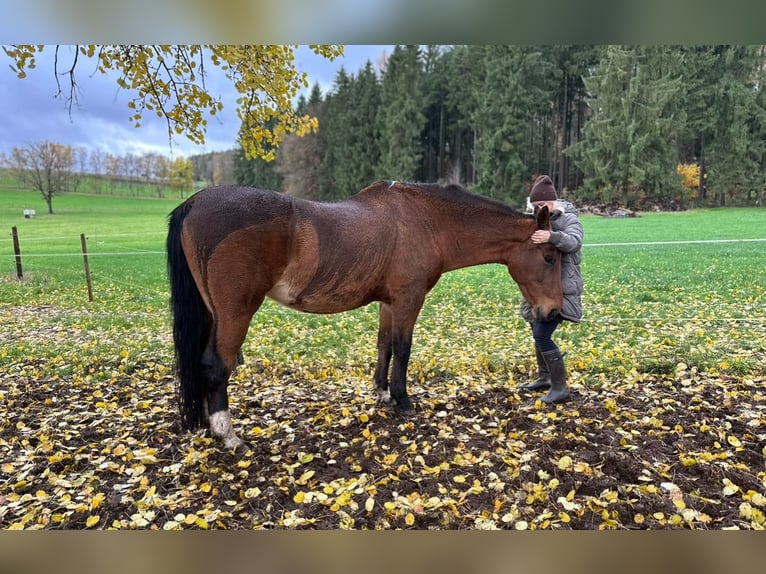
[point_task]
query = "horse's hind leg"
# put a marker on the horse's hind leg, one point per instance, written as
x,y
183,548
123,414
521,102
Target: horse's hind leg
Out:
x,y
219,361
217,398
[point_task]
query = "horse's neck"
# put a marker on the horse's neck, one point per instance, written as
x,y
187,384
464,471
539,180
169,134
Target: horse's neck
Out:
x,y
483,239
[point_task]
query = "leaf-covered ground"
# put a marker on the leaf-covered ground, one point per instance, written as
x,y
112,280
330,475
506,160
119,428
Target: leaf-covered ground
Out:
x,y
90,439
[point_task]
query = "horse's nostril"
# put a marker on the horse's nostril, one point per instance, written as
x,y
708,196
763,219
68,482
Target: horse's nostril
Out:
x,y
541,315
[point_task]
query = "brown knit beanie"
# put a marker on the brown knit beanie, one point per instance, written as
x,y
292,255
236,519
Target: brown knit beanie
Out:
x,y
543,190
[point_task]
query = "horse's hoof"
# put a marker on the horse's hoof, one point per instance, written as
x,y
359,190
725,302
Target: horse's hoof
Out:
x,y
405,412
384,397
235,443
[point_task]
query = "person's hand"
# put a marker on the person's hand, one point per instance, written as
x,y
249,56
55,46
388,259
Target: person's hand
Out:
x,y
541,236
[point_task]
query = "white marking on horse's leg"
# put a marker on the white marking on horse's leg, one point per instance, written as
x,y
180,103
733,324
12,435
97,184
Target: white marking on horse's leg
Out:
x,y
384,396
220,427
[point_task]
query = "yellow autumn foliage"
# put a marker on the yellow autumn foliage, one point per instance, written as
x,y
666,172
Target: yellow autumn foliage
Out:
x,y
170,81
690,175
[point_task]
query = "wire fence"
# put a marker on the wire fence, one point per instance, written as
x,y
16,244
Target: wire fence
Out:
x,y
13,259
162,252
684,330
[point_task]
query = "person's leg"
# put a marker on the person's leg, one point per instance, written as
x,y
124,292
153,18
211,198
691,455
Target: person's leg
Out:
x,y
543,381
559,392
542,332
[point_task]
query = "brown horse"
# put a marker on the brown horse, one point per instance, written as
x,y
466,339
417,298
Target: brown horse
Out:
x,y
230,247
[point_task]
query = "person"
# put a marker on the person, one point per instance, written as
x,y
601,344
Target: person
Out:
x,y
566,235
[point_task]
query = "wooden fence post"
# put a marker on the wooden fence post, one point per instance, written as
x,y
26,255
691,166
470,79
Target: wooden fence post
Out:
x,y
87,266
17,252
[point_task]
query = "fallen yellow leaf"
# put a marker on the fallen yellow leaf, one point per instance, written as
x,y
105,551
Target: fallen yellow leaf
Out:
x,y
92,520
201,522
305,477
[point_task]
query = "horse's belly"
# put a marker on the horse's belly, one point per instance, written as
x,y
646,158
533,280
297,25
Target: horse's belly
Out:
x,y
334,301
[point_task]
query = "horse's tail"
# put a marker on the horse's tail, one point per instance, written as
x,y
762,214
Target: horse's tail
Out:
x,y
191,325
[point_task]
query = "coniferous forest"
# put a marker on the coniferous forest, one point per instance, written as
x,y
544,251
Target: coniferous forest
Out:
x,y
680,125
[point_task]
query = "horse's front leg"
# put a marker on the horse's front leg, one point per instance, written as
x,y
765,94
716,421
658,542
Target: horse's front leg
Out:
x,y
402,345
385,351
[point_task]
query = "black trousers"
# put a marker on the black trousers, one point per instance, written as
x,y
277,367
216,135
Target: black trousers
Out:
x,y
542,332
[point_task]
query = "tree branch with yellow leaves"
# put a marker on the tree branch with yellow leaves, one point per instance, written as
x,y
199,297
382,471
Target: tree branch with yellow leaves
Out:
x,y
170,80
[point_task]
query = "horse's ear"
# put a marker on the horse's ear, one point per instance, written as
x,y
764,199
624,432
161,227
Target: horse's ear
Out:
x,y
543,217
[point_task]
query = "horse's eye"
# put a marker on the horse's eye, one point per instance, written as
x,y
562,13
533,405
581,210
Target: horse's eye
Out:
x,y
549,259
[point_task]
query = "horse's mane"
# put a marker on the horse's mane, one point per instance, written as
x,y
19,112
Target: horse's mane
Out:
x,y
451,193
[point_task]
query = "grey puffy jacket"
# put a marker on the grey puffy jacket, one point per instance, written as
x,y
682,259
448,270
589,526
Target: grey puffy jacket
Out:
x,y
566,236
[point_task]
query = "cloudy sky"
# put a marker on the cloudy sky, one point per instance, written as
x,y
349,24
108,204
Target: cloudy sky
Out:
x,y
30,111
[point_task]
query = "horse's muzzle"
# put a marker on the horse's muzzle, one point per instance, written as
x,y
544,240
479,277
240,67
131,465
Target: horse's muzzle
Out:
x,y
541,314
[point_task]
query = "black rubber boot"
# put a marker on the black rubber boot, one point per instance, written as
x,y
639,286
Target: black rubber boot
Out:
x,y
559,392
543,381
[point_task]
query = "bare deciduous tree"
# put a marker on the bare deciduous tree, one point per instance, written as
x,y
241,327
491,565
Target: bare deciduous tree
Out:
x,y
298,160
45,167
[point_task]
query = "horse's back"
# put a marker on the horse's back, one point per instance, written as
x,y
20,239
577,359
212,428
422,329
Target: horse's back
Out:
x,y
217,212
240,205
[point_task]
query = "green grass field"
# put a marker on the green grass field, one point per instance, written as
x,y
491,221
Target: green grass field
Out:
x,y
650,303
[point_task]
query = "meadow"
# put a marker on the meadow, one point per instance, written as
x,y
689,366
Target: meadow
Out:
x,y
667,367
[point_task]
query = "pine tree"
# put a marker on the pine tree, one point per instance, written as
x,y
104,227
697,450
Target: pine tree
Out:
x,y
725,129
514,97
568,112
435,89
465,76
699,86
402,117
332,138
757,130
659,112
733,168
348,134
363,134
629,144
